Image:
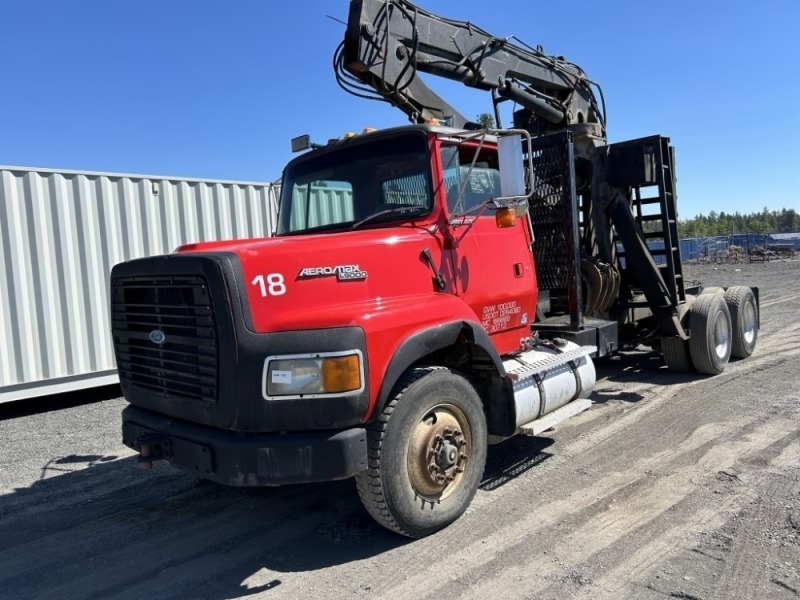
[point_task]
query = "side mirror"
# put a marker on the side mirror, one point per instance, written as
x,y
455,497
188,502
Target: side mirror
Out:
x,y
512,174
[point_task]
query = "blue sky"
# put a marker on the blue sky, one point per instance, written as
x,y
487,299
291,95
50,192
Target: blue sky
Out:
x,y
218,89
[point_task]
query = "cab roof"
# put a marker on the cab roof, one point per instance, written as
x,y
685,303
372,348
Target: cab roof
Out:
x,y
438,130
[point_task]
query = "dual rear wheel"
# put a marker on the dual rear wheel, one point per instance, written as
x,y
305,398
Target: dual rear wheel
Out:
x,y
722,323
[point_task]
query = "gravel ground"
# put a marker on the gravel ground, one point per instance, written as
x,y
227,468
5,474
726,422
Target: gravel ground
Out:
x,y
670,486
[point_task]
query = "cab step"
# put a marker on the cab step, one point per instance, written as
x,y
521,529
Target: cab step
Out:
x,y
529,369
554,418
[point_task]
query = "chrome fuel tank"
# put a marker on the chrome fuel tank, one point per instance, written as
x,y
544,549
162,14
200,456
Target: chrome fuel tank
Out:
x,y
548,377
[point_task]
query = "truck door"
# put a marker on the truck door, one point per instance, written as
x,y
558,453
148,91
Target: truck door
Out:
x,y
493,266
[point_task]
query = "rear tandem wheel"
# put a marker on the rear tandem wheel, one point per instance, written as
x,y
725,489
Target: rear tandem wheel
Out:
x,y
676,350
676,354
710,334
744,320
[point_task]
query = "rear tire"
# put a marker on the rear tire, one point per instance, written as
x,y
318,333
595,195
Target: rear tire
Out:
x,y
676,354
710,329
427,451
675,350
712,290
744,320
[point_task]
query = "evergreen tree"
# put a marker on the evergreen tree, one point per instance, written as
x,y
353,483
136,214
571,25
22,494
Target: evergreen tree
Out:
x,y
786,220
486,121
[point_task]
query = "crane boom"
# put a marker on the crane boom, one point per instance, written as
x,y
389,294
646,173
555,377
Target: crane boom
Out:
x,y
388,42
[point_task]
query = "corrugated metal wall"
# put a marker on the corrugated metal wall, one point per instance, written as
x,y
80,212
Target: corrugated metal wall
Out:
x,y
315,205
60,234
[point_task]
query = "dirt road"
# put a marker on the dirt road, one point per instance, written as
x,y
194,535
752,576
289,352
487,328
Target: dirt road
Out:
x,y
670,486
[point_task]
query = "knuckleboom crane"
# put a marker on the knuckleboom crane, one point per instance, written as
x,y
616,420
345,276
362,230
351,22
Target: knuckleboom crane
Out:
x,y
388,43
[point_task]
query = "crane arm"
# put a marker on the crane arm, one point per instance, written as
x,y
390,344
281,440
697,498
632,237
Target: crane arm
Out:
x,y
388,42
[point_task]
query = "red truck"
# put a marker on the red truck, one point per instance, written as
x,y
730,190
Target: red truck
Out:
x,y
429,289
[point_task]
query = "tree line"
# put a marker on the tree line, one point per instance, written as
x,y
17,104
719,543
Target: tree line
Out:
x,y
786,220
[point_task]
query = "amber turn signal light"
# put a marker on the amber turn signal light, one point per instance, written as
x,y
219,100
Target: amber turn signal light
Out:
x,y
341,374
505,217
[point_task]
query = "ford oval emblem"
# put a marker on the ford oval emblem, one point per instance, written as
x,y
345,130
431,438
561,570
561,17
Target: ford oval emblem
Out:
x,y
157,336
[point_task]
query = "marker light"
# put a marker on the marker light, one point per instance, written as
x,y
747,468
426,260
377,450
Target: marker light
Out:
x,y
505,217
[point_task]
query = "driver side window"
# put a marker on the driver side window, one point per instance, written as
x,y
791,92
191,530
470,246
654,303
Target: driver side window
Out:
x,y
467,187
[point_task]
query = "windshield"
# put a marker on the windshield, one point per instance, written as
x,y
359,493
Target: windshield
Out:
x,y
352,185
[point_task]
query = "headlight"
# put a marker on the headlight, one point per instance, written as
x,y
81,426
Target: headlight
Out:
x,y
311,375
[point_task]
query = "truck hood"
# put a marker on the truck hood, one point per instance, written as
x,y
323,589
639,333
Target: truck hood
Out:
x,y
335,279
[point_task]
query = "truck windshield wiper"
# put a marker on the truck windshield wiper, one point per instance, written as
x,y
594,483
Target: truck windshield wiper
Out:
x,y
315,229
389,211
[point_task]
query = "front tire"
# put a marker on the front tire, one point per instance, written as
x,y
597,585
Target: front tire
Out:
x,y
427,451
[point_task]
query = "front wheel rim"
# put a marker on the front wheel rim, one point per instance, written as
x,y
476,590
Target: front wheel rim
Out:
x,y
439,451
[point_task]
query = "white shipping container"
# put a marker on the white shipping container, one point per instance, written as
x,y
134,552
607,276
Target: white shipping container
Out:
x,y
61,232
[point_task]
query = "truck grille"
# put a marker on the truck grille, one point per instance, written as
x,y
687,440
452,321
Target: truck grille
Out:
x,y
183,364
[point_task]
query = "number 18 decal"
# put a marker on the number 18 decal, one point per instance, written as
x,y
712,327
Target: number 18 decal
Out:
x,y
271,285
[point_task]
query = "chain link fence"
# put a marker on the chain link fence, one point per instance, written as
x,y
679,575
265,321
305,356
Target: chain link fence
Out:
x,y
741,247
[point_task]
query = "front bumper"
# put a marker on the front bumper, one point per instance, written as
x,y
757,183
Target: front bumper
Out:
x,y
245,459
